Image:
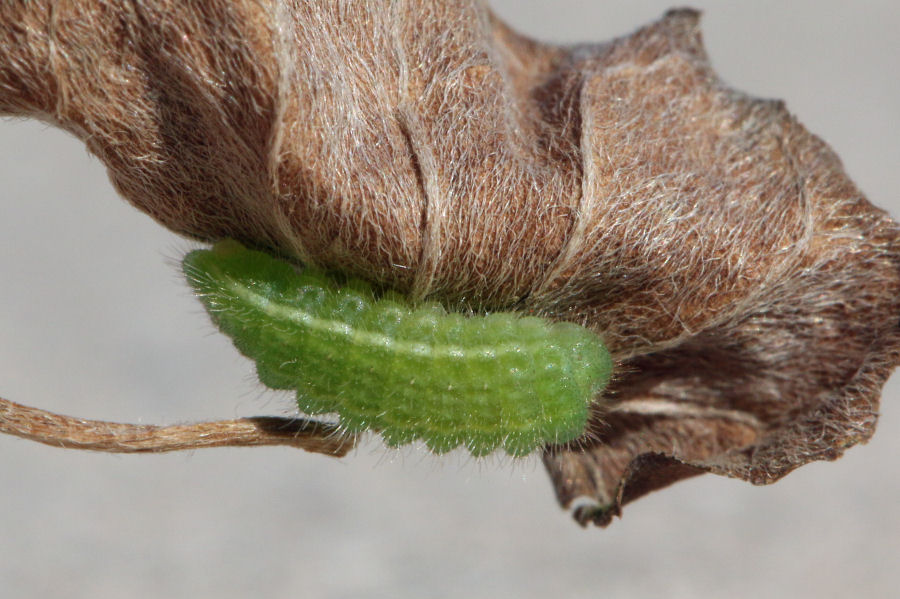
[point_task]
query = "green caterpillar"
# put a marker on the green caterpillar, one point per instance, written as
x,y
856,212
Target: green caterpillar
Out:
x,y
408,371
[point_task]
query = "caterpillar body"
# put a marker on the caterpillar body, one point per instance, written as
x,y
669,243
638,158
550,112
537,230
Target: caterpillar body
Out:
x,y
409,371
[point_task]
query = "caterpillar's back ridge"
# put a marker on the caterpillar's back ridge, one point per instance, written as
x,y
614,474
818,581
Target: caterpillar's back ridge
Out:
x,y
408,371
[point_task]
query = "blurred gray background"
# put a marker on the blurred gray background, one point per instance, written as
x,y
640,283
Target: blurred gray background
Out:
x,y
95,321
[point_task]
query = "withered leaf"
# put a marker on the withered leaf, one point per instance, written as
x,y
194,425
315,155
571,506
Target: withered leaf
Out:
x,y
747,289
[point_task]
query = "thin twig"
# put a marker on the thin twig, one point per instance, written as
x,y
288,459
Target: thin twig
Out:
x,y
76,433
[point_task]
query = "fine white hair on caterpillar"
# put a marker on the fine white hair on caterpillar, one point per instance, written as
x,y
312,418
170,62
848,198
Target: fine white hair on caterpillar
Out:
x,y
410,371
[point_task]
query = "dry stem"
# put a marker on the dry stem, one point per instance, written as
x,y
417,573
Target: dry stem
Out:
x,y
114,437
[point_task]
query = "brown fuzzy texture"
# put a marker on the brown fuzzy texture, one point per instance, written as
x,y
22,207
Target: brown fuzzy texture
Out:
x,y
746,288
112,437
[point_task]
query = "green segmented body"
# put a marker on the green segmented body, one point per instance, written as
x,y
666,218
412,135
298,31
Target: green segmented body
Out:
x,y
408,371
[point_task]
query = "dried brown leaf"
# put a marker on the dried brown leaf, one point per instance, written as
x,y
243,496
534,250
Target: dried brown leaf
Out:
x,y
747,289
